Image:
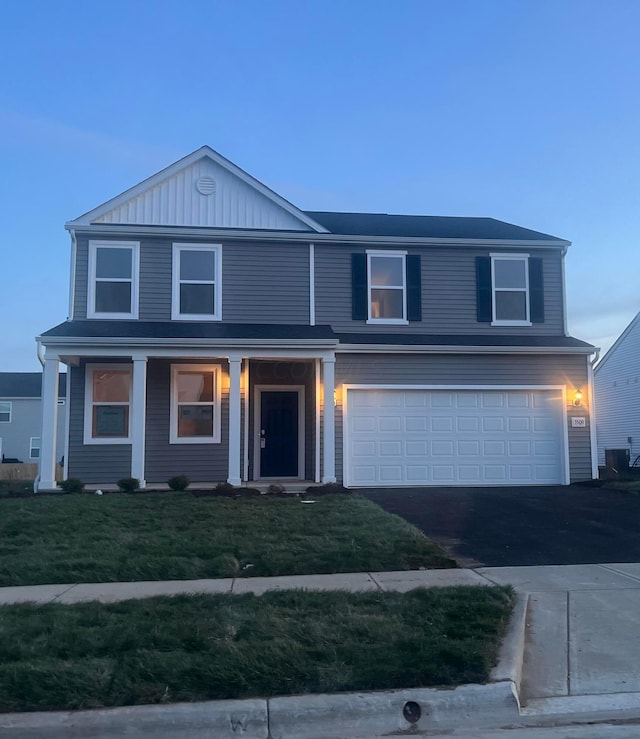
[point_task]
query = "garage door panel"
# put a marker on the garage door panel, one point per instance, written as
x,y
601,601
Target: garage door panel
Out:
x,y
434,437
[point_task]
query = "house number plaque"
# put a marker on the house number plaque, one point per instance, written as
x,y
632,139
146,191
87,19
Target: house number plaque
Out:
x,y
578,422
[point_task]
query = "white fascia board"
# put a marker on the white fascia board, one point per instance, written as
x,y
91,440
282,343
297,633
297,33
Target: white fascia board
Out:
x,y
229,234
612,349
204,152
462,349
209,351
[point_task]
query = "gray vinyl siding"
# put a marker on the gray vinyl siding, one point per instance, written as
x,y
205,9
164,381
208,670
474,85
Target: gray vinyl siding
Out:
x,y
100,464
26,422
617,395
471,369
200,462
286,373
261,283
448,291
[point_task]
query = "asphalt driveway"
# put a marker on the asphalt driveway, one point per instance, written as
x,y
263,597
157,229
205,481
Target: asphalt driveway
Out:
x,y
510,526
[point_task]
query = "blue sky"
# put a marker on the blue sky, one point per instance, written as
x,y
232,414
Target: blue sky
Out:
x,y
523,110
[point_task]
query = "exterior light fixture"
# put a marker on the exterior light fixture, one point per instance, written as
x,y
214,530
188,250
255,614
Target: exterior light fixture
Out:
x,y
577,399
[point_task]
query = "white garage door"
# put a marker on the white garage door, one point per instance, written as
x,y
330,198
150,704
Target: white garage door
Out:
x,y
454,437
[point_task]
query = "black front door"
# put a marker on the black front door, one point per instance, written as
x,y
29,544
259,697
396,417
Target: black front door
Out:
x,y
278,433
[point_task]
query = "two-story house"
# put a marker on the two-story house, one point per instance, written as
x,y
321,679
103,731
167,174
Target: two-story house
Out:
x,y
218,331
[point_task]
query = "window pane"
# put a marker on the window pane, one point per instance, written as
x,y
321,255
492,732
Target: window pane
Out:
x,y
111,386
5,412
34,452
386,304
195,387
511,306
195,420
386,271
510,273
197,265
110,421
197,299
113,297
113,263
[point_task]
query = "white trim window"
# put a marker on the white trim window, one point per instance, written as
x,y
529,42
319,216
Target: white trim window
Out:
x,y
5,411
387,287
34,447
197,282
113,279
510,290
195,404
107,404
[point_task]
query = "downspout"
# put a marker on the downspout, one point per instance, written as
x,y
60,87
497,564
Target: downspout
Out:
x,y
36,482
592,416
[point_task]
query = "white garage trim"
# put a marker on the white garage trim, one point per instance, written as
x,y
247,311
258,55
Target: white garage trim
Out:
x,y
345,417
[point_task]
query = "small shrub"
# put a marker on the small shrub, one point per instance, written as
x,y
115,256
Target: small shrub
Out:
x,y
224,488
329,488
128,484
72,485
179,482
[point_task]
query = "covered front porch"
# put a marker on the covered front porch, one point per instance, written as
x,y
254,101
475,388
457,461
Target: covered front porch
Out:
x,y
264,419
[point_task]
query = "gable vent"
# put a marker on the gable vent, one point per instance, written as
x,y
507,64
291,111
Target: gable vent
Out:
x,y
206,185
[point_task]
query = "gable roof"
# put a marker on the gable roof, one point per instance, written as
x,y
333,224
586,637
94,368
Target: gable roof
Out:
x,y
443,227
617,343
201,189
27,384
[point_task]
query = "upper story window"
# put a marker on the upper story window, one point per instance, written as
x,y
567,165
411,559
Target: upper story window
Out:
x,y
197,282
107,404
113,279
510,286
387,287
510,289
195,404
5,411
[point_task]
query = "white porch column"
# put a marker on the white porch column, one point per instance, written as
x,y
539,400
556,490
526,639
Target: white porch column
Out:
x,y
329,437
235,371
138,418
49,425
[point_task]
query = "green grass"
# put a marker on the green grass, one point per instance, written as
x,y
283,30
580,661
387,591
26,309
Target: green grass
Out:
x,y
174,536
632,486
191,648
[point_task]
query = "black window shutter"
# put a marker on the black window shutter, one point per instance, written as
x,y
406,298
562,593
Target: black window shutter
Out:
x,y
483,289
536,290
414,288
359,310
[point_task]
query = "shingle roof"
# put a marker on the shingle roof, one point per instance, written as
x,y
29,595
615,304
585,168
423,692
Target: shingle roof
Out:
x,y
443,227
27,384
188,330
204,330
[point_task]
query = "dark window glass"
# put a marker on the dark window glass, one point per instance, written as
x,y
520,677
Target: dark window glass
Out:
x,y
113,297
195,420
386,303
511,306
197,265
197,299
113,263
110,421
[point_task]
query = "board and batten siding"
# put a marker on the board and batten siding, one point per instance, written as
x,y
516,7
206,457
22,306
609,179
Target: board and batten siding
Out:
x,y
472,369
261,283
448,291
617,395
100,464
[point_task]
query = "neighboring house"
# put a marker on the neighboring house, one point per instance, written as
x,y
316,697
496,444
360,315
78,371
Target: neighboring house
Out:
x,y
617,383
20,416
217,330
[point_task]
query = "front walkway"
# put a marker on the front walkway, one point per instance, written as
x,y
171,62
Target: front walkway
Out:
x,y
582,646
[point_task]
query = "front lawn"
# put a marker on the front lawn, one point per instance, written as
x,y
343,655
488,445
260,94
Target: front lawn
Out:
x,y
175,536
203,647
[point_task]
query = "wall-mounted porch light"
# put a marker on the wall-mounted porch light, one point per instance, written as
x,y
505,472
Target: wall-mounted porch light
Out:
x,y
577,398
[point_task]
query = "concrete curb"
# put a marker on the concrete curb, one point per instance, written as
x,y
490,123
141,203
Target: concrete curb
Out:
x,y
511,656
248,719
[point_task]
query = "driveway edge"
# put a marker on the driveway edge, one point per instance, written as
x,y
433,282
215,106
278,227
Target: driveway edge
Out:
x,y
511,655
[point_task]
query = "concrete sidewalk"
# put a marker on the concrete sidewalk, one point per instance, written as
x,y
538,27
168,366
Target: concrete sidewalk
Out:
x,y
582,652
